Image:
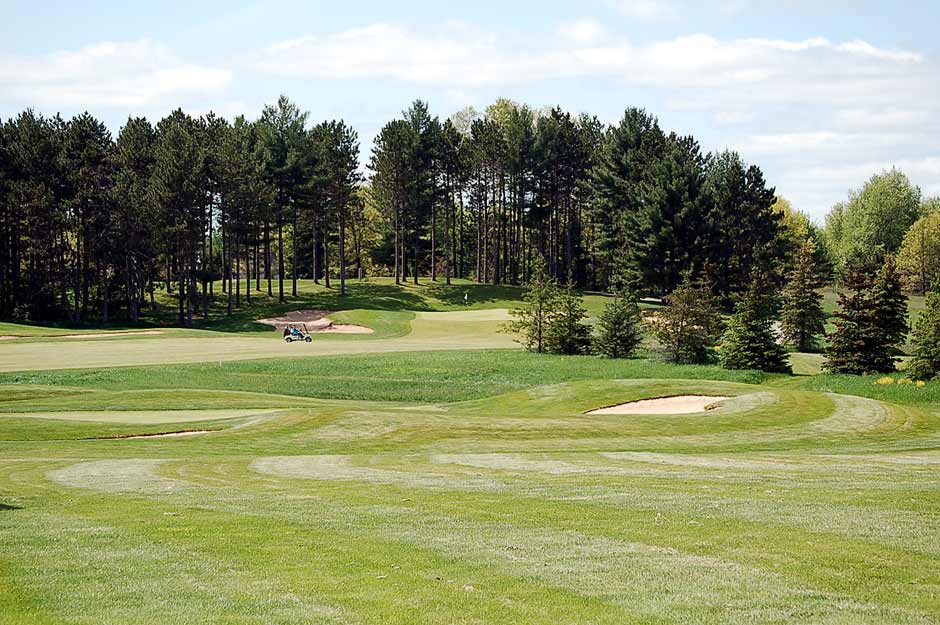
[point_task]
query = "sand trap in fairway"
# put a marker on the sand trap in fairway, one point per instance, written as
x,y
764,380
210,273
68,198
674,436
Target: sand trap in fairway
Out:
x,y
316,321
163,435
682,404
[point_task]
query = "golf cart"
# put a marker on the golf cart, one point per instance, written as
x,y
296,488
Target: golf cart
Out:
x,y
293,333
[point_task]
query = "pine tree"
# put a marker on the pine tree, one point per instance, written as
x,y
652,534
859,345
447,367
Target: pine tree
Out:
x,y
620,328
533,319
889,314
802,316
925,364
871,323
749,341
849,343
567,333
689,325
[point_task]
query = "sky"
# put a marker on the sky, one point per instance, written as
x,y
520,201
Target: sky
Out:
x,y
820,94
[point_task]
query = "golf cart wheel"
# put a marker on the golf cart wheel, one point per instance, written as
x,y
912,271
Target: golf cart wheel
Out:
x,y
309,339
288,339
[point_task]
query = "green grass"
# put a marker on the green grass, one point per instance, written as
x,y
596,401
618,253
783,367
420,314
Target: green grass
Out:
x,y
414,376
422,476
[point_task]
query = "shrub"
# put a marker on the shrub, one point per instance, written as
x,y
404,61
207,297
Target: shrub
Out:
x,y
620,328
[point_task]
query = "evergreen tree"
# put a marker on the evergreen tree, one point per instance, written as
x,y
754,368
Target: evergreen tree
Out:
x,y
534,318
620,328
871,323
743,234
567,333
925,363
849,344
282,126
133,214
689,325
749,340
889,314
802,317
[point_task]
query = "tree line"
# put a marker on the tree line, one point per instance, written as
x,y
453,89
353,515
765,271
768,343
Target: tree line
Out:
x,y
92,225
485,195
869,328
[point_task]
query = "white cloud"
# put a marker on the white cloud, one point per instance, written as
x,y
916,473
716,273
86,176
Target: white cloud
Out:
x,y
822,103
461,56
583,31
110,74
647,10
733,118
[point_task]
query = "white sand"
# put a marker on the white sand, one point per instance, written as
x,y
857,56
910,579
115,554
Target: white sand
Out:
x,y
682,404
165,434
316,321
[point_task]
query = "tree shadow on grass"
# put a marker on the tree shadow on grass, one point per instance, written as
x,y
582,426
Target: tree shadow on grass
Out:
x,y
8,506
453,295
359,295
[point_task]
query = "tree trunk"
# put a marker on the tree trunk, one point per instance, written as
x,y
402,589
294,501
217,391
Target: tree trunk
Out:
x,y
267,258
293,255
316,250
342,254
433,242
395,254
326,259
280,262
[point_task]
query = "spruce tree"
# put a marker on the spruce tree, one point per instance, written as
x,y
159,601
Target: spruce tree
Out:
x,y
620,328
871,323
533,318
889,314
802,317
849,342
749,341
567,333
925,365
689,325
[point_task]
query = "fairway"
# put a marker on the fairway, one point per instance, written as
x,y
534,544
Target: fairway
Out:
x,y
411,478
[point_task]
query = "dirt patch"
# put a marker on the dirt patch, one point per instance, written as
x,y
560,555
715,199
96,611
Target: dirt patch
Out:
x,y
681,404
8,338
316,321
158,435
98,335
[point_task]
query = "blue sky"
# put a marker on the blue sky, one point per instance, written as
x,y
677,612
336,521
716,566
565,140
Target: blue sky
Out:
x,y
820,94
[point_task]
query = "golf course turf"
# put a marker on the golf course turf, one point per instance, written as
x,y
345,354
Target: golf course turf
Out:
x,y
432,472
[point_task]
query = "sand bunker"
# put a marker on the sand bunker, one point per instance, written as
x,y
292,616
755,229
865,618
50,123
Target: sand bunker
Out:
x,y
161,435
682,404
316,321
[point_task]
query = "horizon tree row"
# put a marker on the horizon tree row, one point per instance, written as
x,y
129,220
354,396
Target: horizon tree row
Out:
x,y
477,195
89,223
91,226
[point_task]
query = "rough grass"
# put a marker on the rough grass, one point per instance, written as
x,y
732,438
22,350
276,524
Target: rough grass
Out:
x,y
416,376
